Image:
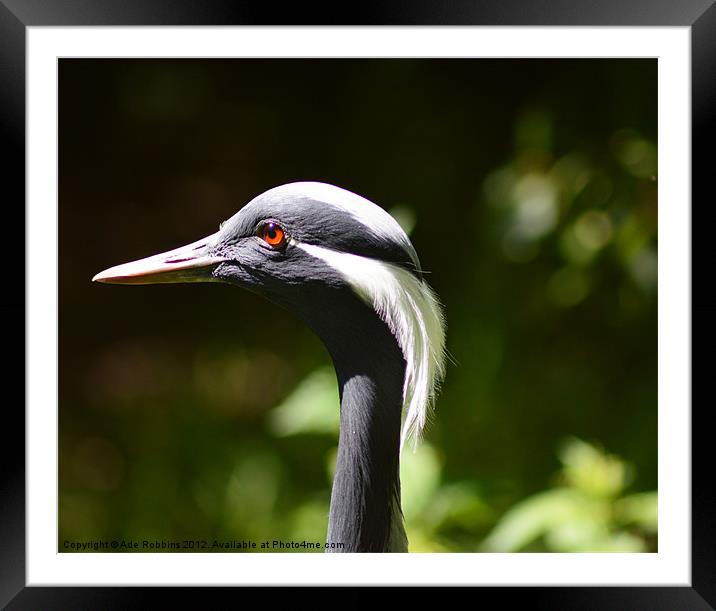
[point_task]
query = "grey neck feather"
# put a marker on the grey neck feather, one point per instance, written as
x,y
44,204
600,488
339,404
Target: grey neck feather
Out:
x,y
365,513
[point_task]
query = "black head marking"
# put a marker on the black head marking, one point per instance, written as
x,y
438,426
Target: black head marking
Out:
x,y
326,216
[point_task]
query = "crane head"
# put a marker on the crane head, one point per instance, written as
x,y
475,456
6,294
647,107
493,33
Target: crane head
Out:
x,y
302,245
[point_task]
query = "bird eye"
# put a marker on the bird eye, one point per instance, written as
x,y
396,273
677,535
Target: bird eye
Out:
x,y
272,234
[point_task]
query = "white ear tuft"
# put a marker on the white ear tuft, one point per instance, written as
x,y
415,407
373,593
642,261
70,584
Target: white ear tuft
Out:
x,y
414,315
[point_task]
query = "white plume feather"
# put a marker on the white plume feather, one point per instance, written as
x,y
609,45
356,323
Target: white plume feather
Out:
x,y
414,316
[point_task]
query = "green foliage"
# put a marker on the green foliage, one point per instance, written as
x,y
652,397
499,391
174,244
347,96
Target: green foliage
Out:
x,y
310,408
585,513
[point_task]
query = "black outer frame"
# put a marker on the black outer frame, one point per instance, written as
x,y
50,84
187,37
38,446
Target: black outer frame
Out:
x,y
16,15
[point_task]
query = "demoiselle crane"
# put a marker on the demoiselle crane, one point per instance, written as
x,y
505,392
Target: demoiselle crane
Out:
x,y
345,267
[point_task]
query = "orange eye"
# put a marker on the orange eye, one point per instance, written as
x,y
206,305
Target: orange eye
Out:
x,y
273,235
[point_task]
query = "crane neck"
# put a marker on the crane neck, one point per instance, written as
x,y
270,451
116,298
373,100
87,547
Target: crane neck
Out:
x,y
365,513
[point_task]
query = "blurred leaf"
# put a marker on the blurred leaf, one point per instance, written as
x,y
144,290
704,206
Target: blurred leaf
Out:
x,y
582,516
533,517
568,286
309,521
639,510
423,541
251,493
312,407
618,542
536,211
579,533
591,470
637,155
591,232
420,477
459,505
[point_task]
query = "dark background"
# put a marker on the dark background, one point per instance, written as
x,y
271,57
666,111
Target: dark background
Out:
x,y
531,185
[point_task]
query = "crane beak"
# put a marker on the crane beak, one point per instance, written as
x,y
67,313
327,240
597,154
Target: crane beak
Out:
x,y
190,263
